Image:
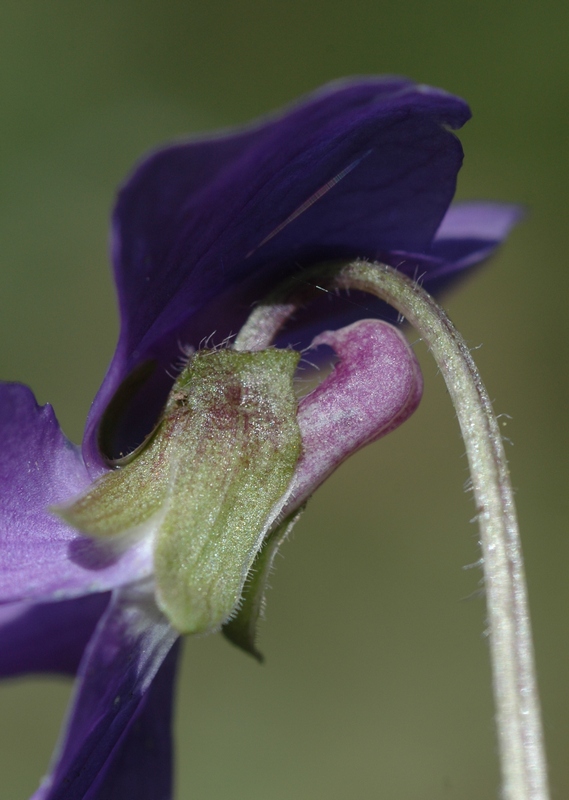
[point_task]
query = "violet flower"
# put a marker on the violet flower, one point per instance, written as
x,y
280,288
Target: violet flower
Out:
x,y
201,231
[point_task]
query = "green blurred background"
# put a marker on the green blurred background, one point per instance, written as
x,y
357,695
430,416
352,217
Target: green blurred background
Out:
x,y
376,682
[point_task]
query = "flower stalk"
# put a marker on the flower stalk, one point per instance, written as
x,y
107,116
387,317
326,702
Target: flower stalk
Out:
x,y
518,715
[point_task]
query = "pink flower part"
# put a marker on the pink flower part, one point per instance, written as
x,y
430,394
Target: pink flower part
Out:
x,y
375,386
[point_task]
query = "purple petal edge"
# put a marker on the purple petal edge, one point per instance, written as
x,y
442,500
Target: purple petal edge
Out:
x,y
469,233
42,557
482,219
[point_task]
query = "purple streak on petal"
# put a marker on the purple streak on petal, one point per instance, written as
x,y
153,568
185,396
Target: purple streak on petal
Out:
x,y
47,637
189,216
42,557
318,194
131,642
181,238
374,388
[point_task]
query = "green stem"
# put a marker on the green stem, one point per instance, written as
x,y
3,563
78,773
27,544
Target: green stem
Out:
x,y
518,717
263,324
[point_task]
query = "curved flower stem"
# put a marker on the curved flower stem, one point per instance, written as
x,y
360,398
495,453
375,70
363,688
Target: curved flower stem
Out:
x,y
524,771
264,323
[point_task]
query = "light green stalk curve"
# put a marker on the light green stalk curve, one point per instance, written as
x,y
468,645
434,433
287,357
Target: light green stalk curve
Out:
x,y
518,717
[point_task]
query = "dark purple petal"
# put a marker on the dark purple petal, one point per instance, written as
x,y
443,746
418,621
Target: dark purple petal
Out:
x,y
42,557
115,710
358,169
47,637
141,764
194,218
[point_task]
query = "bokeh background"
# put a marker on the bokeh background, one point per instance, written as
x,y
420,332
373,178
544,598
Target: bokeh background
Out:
x,y
376,682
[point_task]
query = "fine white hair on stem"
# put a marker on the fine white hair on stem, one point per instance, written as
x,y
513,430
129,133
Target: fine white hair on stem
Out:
x,y
518,715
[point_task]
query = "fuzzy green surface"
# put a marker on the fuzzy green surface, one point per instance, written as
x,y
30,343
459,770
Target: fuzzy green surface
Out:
x,y
208,484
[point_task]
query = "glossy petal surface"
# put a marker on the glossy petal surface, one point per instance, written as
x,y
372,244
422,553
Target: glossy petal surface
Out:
x,y
42,557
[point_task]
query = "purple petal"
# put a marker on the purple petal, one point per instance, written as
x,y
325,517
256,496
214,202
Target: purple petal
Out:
x,y
480,220
358,169
194,218
42,557
47,637
374,388
141,764
115,709
469,233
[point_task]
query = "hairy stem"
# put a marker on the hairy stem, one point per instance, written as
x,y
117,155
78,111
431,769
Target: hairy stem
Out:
x,y
518,717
